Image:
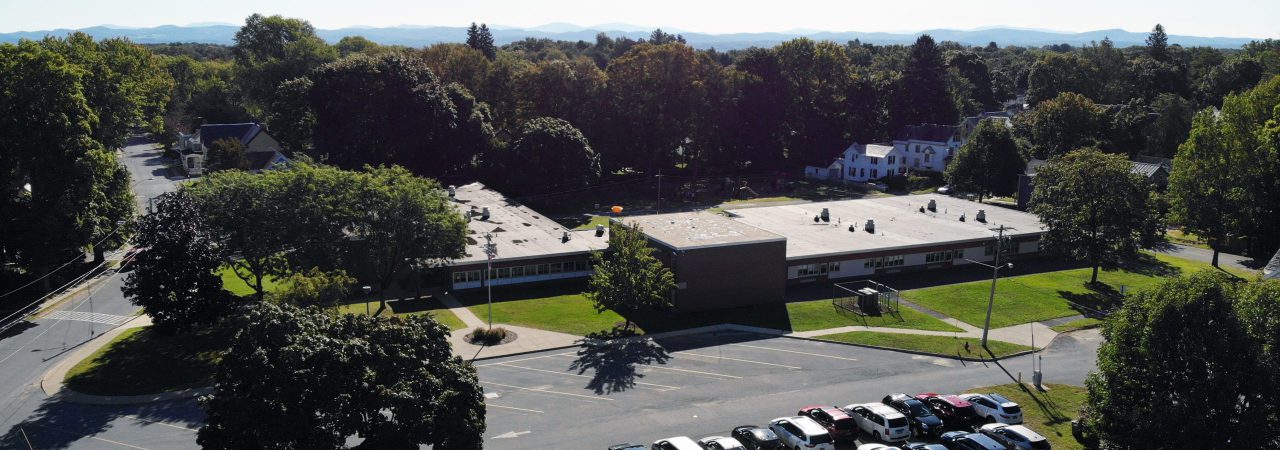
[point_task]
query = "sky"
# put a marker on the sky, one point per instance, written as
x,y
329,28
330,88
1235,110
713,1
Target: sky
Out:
x,y
1219,18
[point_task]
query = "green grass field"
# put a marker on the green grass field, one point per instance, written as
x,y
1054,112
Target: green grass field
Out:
x,y
821,314
239,287
1036,297
591,224
426,305
139,362
1079,324
940,345
1049,413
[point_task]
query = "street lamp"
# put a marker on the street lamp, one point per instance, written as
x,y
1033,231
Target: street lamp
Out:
x,y
367,290
490,252
995,274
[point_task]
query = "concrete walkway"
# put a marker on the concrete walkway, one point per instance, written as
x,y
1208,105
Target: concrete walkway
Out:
x,y
527,339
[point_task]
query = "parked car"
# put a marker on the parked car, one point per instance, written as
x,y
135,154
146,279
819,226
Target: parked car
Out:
x,y
756,438
994,408
835,420
924,423
877,447
1015,436
880,421
960,440
676,443
923,446
956,413
802,432
627,446
945,190
720,443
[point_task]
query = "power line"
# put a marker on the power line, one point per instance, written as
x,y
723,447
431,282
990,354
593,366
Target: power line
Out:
x,y
64,265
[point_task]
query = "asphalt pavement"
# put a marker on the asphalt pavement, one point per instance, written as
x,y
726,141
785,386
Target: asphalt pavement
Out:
x,y
29,419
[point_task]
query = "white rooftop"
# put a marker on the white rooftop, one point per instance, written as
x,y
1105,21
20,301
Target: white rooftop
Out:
x,y
520,232
878,150
690,230
898,224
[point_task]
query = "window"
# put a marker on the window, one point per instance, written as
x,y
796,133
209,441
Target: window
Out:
x,y
891,158
864,171
833,267
459,277
883,262
926,156
555,268
989,249
875,173
853,171
917,162
875,161
943,256
473,275
517,271
504,272
807,270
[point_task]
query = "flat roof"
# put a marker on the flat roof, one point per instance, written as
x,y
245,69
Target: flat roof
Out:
x,y
700,229
899,224
520,232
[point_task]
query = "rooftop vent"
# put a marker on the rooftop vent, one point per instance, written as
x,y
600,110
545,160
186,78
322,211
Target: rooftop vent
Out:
x,y
565,237
982,216
962,217
826,215
853,228
933,205
871,226
484,213
453,191
599,229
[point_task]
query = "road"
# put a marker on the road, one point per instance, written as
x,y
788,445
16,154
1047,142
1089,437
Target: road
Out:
x,y
29,418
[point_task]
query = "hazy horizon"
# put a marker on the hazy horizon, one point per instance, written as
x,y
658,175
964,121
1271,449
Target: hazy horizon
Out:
x,y
1180,17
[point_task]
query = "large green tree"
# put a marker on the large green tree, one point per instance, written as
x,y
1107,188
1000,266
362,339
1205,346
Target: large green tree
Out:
x,y
246,213
925,86
655,93
226,154
989,163
1093,208
1057,73
271,49
628,278
322,379
174,278
1067,122
1183,365
816,76
549,154
1203,194
480,38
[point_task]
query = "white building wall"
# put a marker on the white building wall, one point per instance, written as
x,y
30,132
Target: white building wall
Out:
x,y
852,268
524,279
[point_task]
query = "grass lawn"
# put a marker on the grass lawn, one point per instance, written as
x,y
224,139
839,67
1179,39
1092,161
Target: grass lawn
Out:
x,y
1048,413
239,287
821,314
410,307
941,345
1079,324
139,361
1043,296
591,224
1187,239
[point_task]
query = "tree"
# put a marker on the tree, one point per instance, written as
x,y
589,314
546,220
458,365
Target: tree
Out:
x,y
404,222
1093,208
974,69
1067,122
1181,366
293,122
1057,73
270,50
629,278
989,163
481,39
323,379
1109,64
315,287
247,216
1204,198
816,76
550,154
655,93
1148,77
1171,125
109,214
1234,76
227,154
1158,44
349,45
173,279
925,86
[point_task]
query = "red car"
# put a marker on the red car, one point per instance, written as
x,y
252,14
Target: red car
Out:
x,y
839,424
954,411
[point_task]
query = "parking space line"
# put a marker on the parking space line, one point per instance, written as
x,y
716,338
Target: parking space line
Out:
x,y
162,423
796,352
651,366
660,387
740,360
545,391
90,437
512,407
514,360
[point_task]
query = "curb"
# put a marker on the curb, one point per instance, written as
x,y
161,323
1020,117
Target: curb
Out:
x,y
916,352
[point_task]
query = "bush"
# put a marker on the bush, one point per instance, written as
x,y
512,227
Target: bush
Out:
x,y
315,287
895,182
489,336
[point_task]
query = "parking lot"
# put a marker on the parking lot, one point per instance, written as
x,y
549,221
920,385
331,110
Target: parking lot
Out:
x,y
701,385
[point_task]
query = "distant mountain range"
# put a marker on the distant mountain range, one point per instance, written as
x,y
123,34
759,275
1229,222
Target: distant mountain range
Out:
x,y
424,35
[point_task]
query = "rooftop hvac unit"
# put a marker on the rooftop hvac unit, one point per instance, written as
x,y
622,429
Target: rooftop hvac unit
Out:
x,y
599,229
453,191
484,213
871,226
981,217
826,215
869,301
933,205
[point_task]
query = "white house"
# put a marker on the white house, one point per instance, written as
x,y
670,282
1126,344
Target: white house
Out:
x,y
262,150
860,163
928,147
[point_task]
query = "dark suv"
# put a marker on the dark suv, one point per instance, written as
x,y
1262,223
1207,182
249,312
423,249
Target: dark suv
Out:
x,y
956,413
839,424
924,423
756,438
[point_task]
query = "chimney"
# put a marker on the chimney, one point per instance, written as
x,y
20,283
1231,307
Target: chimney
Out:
x,y
871,226
484,213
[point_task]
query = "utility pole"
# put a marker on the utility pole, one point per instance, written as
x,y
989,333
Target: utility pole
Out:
x,y
995,275
659,192
490,251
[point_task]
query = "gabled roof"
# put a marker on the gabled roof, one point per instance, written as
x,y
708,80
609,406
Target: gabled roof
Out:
x,y
927,132
262,160
1272,270
244,132
878,150
1034,165
1146,169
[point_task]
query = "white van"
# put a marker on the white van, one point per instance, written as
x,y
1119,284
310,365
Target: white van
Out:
x,y
801,433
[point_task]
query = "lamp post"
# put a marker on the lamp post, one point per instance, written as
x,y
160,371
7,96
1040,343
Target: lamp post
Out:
x,y
995,274
490,251
367,290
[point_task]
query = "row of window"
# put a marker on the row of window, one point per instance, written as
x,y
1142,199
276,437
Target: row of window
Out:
x,y
809,270
522,271
943,256
883,262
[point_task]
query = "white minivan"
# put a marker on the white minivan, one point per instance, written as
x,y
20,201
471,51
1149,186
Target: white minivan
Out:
x,y
880,421
995,408
802,433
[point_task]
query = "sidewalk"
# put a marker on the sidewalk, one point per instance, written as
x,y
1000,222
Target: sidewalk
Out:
x,y
527,339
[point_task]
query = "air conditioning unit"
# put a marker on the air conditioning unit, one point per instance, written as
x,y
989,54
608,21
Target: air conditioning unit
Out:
x,y
982,216
484,213
826,215
933,205
870,226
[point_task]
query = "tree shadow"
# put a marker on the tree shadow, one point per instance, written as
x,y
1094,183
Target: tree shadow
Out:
x,y
58,424
15,329
1146,264
613,355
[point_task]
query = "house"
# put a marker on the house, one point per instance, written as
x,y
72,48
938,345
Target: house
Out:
x,y
1156,173
861,163
263,151
928,147
968,124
